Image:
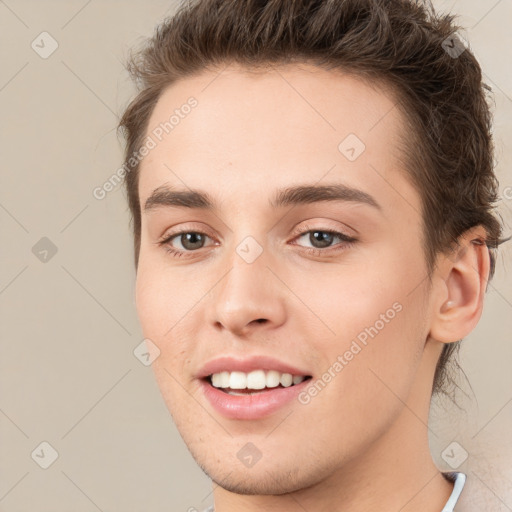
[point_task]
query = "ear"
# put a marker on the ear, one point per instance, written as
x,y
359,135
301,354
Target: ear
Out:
x,y
460,281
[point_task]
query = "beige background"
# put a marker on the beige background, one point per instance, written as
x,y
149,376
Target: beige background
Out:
x,y
69,327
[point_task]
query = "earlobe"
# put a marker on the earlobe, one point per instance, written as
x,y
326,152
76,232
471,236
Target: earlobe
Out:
x,y
461,283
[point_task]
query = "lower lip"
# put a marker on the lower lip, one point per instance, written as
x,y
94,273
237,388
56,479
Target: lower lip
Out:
x,y
251,407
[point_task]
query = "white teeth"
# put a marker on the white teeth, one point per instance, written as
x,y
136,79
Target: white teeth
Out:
x,y
257,379
238,380
297,379
224,379
217,380
272,380
286,379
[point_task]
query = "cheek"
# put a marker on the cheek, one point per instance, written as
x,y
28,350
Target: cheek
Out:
x,y
154,308
351,297
160,308
170,315
162,298
376,320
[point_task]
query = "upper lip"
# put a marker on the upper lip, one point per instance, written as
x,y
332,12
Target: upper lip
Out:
x,y
229,363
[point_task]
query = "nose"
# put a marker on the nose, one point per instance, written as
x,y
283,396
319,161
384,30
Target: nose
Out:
x,y
249,297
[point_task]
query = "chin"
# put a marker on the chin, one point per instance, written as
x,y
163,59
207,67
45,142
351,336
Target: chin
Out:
x,y
262,479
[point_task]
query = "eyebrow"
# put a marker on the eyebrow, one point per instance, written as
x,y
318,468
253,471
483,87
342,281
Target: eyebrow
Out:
x,y
164,196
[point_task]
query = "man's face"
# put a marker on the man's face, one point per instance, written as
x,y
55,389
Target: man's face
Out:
x,y
334,291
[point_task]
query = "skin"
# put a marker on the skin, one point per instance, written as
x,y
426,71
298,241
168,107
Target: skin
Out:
x,y
361,444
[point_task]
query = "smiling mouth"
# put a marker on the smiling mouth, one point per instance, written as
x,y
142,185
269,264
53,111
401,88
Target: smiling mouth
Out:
x,y
255,382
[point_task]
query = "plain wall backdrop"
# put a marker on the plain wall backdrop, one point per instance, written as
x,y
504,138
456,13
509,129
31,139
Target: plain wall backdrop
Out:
x,y
69,378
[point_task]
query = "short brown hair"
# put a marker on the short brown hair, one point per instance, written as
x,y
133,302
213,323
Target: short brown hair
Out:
x,y
401,44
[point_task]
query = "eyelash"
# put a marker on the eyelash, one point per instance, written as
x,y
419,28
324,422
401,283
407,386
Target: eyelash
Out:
x,y
347,241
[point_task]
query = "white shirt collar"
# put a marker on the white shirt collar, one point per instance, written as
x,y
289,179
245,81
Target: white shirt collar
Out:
x,y
459,480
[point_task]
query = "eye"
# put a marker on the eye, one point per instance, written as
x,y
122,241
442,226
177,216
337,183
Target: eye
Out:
x,y
187,241
190,240
323,240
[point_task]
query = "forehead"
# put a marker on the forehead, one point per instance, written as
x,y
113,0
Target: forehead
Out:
x,y
251,131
